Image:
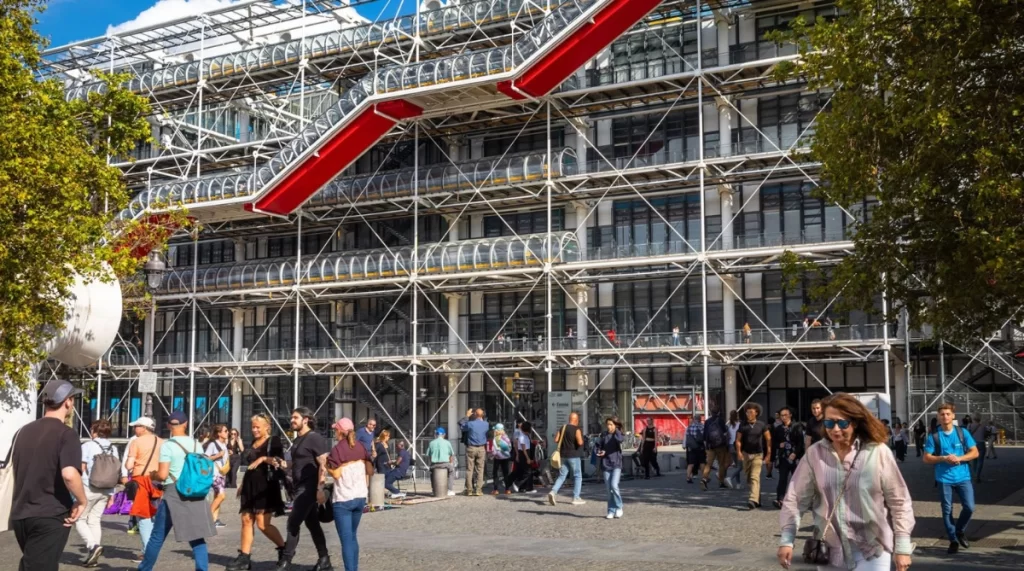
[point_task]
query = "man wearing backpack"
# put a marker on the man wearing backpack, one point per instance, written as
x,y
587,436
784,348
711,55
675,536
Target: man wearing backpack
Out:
x,y
716,442
101,471
183,473
950,449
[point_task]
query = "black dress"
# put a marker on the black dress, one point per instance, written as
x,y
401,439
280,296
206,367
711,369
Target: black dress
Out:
x,y
261,487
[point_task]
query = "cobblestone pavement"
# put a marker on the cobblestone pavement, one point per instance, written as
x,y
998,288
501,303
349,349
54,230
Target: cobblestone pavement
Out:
x,y
668,525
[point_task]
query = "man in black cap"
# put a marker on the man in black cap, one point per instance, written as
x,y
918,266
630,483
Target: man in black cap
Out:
x,y
45,506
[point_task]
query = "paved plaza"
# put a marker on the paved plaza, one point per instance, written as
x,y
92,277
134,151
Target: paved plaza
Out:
x,y
668,525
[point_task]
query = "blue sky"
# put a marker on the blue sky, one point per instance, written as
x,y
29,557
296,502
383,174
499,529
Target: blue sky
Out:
x,y
68,20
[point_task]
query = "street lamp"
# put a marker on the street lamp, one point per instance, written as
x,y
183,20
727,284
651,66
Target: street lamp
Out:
x,y
155,269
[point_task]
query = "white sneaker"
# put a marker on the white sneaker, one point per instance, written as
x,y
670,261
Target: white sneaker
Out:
x,y
551,498
618,513
398,496
578,502
610,515
515,488
532,492
451,492
728,483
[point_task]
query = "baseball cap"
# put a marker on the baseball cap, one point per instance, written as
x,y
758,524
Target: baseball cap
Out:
x,y
440,430
344,424
144,421
499,426
177,417
58,391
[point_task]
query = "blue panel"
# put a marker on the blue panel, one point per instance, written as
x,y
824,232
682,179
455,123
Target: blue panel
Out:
x,y
136,409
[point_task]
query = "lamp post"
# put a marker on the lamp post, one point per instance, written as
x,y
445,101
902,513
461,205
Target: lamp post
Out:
x,y
155,269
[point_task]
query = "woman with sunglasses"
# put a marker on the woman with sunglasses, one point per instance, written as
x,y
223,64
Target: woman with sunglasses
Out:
x,y
235,449
850,481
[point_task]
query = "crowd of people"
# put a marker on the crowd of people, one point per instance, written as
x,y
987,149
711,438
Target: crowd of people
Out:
x,y
842,461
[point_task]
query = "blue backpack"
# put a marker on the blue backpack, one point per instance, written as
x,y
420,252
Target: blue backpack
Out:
x,y
196,477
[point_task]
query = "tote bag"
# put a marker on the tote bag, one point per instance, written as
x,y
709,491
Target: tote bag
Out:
x,y
7,486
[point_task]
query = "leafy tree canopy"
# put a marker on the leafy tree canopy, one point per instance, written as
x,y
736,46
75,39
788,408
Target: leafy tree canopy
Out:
x,y
58,195
928,117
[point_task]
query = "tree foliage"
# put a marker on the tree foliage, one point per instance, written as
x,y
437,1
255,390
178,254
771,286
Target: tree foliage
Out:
x,y
58,195
927,117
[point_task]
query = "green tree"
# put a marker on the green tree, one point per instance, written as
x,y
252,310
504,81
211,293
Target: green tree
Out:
x,y
927,117
58,196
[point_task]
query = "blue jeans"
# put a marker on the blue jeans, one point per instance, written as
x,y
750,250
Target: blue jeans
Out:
x,y
966,492
611,479
346,520
145,530
389,482
577,477
162,526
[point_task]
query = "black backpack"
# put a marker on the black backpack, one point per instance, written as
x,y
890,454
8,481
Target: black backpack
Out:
x,y
938,443
716,434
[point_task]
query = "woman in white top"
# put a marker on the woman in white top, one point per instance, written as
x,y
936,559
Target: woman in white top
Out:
x,y
215,446
350,466
88,526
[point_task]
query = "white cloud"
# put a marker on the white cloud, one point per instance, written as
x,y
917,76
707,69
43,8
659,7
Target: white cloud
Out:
x,y
167,10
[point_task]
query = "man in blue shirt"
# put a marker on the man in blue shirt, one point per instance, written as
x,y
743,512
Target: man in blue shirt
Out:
x,y
475,434
365,437
950,449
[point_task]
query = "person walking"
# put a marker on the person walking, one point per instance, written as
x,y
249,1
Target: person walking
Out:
x,y
734,426
307,451
753,448
49,496
191,519
899,439
789,449
716,445
475,432
441,453
260,492
142,463
609,451
977,428
991,432
919,434
235,449
398,470
950,449
522,469
365,436
862,508
813,428
648,449
499,450
570,449
215,446
696,456
351,467
97,489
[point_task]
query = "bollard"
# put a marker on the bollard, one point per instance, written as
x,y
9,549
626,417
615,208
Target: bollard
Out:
x,y
376,498
439,481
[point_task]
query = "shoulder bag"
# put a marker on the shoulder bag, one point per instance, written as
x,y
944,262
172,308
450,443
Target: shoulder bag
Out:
x,y
555,461
132,487
816,551
7,486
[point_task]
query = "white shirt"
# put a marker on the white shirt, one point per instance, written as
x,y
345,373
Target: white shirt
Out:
x,y
214,448
733,429
523,441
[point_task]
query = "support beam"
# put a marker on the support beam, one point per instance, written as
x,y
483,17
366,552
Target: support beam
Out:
x,y
729,385
727,198
729,309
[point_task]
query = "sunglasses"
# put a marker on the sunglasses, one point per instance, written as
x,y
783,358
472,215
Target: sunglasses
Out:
x,y
830,424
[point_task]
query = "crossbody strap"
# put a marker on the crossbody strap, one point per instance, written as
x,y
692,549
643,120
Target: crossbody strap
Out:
x,y
10,451
842,491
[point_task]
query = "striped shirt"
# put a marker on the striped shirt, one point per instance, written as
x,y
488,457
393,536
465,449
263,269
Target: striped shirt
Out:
x,y
876,492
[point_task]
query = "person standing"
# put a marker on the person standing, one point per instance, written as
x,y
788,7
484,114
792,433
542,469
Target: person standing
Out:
x,y
499,450
48,493
899,441
609,450
675,336
753,448
215,446
789,449
977,428
949,449
696,456
398,470
862,508
919,433
350,465
97,495
191,519
813,429
381,455
649,449
307,450
734,427
475,432
991,432
570,447
365,436
716,443
235,449
142,463
441,453
260,494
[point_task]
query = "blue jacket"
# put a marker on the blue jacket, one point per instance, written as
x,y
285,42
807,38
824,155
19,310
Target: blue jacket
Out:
x,y
612,446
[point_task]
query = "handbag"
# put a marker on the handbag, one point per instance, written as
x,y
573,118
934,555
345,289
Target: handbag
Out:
x,y
816,551
325,511
7,486
131,489
555,461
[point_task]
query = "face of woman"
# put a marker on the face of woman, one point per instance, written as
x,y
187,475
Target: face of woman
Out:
x,y
257,429
610,426
838,434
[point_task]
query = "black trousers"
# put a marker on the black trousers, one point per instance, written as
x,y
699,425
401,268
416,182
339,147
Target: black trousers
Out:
x,y
522,474
648,458
304,512
230,480
786,470
503,466
42,541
